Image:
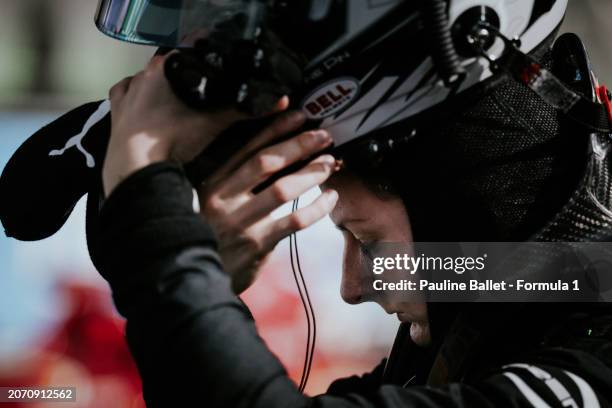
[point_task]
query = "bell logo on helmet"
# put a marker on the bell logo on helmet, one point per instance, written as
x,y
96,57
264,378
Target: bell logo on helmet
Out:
x,y
330,98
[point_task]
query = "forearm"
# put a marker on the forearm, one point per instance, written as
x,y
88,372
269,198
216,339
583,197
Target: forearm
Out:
x,y
191,337
125,157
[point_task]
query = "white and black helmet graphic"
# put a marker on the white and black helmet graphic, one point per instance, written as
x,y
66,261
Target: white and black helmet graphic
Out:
x,y
367,64
381,72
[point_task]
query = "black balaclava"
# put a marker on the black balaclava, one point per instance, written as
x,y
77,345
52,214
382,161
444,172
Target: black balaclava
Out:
x,y
492,165
496,170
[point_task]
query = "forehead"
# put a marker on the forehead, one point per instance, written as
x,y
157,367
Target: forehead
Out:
x,y
350,192
356,201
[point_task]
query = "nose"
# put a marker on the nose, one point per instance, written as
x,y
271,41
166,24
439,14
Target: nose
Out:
x,y
353,288
351,292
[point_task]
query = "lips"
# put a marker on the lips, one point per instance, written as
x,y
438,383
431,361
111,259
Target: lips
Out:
x,y
403,317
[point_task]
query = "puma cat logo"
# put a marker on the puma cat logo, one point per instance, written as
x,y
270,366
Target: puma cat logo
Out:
x,y
77,140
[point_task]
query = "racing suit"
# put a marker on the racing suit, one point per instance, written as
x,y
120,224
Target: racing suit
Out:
x,y
196,344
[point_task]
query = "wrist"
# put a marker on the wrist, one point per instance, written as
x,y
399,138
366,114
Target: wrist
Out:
x,y
126,156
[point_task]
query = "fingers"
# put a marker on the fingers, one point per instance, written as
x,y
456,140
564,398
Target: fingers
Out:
x,y
156,63
282,126
281,105
301,219
287,189
148,82
119,90
244,251
275,158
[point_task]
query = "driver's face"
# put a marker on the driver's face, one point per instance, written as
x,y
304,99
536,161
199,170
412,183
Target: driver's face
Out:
x,y
365,218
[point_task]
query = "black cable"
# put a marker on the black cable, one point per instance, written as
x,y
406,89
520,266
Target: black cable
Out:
x,y
444,55
312,314
292,244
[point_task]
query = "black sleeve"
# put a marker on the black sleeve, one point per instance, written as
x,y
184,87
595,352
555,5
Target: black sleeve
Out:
x,y
367,384
194,342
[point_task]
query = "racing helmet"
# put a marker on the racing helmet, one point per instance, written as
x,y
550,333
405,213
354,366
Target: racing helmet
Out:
x,y
364,65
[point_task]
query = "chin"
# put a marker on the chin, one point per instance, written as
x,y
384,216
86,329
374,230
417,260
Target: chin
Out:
x,y
420,335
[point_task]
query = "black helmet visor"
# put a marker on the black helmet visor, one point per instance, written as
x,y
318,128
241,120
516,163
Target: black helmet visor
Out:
x,y
172,23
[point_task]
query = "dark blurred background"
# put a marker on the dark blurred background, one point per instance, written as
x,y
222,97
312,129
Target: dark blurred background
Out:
x,y
57,324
